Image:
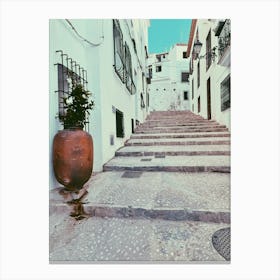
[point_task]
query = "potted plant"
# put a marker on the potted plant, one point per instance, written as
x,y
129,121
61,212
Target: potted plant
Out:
x,y
72,146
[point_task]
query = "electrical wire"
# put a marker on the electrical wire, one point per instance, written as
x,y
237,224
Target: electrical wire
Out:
x,y
84,39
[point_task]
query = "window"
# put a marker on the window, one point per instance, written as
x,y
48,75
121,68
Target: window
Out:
x,y
132,125
118,50
192,90
208,51
142,101
128,71
67,74
184,54
186,95
185,77
198,104
119,124
198,74
158,57
225,93
158,68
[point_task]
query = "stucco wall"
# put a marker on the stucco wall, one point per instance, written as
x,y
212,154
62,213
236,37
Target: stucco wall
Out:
x,y
107,88
216,73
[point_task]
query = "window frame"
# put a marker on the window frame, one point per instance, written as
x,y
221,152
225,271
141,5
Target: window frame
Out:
x,y
225,89
185,79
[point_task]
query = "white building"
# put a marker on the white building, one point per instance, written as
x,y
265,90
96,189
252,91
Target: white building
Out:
x,y
209,51
109,56
169,79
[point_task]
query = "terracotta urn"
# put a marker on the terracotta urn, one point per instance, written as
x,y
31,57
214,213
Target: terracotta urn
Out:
x,y
72,158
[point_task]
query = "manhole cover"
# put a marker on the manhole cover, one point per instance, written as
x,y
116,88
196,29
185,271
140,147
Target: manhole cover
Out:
x,y
221,242
131,174
159,156
146,159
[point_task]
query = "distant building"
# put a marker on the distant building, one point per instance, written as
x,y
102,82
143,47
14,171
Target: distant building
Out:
x,y
210,74
169,79
109,58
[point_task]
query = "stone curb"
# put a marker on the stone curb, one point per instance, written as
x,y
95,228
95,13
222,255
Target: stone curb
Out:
x,y
221,169
173,214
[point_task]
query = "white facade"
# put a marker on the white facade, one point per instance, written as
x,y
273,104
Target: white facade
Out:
x,y
210,86
90,44
167,90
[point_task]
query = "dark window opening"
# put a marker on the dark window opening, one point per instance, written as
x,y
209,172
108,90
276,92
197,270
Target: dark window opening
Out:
x,y
198,74
186,95
158,68
192,90
132,125
208,51
225,94
185,77
158,57
119,124
198,104
142,101
184,54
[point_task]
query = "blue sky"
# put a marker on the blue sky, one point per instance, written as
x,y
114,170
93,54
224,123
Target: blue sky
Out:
x,y
163,33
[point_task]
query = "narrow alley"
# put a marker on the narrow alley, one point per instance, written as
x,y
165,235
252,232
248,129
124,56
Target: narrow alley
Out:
x,y
161,198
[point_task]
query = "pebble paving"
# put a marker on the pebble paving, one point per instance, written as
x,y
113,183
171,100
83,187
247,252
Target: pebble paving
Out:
x,y
130,240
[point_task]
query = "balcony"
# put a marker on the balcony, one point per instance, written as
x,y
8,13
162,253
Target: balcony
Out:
x,y
224,40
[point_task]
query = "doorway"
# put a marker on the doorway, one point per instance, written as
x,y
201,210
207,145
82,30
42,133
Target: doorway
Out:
x,y
209,99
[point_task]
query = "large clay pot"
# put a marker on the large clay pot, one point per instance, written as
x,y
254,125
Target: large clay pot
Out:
x,y
72,158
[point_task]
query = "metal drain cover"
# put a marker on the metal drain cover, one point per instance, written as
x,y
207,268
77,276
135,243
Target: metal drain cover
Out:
x,y
132,174
221,242
146,159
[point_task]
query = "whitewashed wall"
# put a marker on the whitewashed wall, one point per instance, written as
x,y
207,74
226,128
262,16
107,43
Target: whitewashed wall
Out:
x,y
108,90
166,88
216,73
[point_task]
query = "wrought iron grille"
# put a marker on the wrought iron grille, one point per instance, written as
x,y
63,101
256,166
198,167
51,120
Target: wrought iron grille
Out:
x,y
67,70
224,35
122,58
119,58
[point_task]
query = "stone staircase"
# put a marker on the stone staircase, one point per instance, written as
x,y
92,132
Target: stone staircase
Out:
x,y
163,197
175,141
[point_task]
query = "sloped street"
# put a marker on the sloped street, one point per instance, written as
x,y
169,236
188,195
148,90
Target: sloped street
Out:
x,y
161,198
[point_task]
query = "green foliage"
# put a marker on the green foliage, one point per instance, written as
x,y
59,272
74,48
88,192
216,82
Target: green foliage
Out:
x,y
77,105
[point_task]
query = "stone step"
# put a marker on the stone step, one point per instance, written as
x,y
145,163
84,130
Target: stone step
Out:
x,y
174,150
170,164
177,135
178,141
174,128
181,130
174,124
153,195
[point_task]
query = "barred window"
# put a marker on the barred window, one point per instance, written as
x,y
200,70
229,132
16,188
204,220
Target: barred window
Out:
x,y
118,50
208,51
128,71
68,71
225,93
